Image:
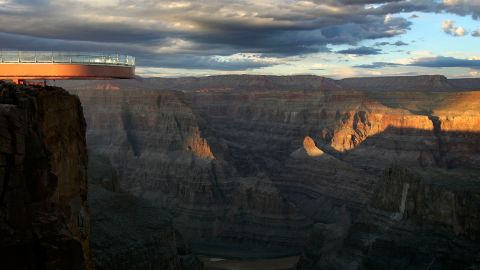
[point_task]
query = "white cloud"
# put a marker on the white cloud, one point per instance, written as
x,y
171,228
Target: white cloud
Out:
x,y
252,58
449,27
388,18
414,55
103,3
459,31
452,2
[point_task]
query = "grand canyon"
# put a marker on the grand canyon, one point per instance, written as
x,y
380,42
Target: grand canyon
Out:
x,y
239,135
361,173
242,172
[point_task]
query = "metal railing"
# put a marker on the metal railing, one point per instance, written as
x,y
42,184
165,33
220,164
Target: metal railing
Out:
x,y
66,58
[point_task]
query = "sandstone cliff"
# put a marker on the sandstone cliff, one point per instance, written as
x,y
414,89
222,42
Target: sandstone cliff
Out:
x,y
44,218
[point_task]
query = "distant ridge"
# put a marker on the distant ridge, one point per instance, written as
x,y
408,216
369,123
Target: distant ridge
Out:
x,y
247,82
222,83
414,83
466,84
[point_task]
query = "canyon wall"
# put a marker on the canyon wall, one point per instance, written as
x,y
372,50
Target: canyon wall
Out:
x,y
246,165
162,152
130,232
44,217
411,223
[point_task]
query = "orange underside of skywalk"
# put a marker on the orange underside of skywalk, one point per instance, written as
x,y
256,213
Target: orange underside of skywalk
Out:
x,y
52,71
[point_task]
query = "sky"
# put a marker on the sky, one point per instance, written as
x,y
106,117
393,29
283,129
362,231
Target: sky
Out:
x,y
337,39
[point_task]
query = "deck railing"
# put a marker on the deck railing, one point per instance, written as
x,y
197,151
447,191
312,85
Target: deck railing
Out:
x,y
66,58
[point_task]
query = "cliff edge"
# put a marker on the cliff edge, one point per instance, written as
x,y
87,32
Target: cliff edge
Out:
x,y
44,217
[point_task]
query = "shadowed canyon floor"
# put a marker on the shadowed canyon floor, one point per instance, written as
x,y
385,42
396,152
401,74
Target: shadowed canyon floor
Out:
x,y
286,263
371,173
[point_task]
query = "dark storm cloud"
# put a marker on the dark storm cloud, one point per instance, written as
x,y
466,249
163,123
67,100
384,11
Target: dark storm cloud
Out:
x,y
459,7
377,65
441,62
25,42
191,34
361,51
174,31
400,43
476,33
397,43
463,7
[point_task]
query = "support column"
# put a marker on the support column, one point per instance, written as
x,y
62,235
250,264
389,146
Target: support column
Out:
x,y
18,81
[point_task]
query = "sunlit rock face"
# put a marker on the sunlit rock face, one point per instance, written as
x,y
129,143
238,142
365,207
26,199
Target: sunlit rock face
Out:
x,y
255,161
44,218
310,148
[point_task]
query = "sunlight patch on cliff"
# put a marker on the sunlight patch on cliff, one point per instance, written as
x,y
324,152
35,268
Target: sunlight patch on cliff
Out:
x,y
460,103
358,126
199,146
310,147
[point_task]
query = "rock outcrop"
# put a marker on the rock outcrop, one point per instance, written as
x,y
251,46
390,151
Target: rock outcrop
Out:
x,y
44,218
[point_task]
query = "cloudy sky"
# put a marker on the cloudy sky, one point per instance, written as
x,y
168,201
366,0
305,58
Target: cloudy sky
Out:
x,y
342,38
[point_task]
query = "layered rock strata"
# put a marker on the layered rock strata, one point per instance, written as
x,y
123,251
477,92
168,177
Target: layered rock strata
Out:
x,y
132,233
164,153
255,161
412,223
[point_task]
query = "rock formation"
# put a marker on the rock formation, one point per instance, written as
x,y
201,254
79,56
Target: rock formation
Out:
x,y
44,218
161,153
248,164
130,232
411,223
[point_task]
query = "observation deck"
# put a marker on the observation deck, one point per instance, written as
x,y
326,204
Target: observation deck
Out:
x,y
19,66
